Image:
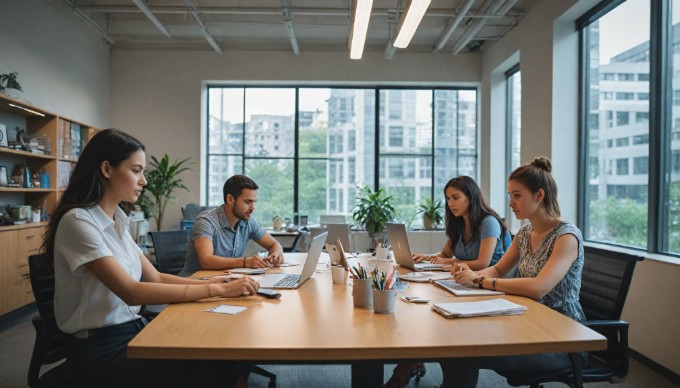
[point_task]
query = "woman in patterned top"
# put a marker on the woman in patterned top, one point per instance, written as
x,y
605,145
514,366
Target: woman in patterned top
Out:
x,y
549,255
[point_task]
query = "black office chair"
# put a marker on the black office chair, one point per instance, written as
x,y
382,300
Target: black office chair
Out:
x,y
171,250
604,287
51,344
191,210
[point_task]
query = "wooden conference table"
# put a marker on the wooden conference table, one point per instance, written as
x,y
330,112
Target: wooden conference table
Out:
x,y
318,323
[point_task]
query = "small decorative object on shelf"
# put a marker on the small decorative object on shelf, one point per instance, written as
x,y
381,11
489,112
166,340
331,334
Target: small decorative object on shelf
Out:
x,y
3,135
9,84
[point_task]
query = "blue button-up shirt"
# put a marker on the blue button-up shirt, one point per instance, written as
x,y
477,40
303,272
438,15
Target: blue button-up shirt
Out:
x,y
227,241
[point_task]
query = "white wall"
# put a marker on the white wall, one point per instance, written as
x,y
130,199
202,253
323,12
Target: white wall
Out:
x,y
156,96
62,67
547,44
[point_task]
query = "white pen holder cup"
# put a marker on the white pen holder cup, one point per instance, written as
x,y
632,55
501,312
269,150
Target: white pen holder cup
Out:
x,y
362,292
384,301
381,253
340,274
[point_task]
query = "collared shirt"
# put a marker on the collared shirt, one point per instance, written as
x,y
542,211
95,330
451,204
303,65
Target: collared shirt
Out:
x,y
227,241
81,301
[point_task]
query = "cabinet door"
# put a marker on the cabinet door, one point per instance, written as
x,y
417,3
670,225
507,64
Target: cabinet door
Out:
x,y
9,247
30,241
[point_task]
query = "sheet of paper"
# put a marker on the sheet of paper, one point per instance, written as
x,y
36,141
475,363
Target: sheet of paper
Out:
x,y
227,309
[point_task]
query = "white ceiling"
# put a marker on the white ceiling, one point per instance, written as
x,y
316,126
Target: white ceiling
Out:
x,y
321,25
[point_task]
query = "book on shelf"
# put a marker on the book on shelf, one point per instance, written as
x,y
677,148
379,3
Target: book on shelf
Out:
x,y
493,307
63,174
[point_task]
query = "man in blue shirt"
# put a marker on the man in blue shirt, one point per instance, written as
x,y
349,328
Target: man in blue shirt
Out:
x,y
221,234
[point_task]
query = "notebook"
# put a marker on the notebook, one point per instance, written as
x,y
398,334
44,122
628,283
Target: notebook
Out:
x,y
402,252
460,290
339,230
282,280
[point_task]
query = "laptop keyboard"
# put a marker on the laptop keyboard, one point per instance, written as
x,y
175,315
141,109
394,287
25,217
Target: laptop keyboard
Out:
x,y
451,284
288,281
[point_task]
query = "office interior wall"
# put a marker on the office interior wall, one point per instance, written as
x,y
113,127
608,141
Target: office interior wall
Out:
x,y
62,66
156,96
548,45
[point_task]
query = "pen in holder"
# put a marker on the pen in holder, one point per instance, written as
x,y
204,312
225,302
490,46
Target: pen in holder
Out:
x,y
384,293
362,287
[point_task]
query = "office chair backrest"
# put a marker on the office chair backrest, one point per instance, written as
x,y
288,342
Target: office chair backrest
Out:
x,y
191,210
171,250
606,279
51,344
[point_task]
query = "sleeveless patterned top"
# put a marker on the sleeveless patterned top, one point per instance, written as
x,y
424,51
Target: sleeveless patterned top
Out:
x,y
564,297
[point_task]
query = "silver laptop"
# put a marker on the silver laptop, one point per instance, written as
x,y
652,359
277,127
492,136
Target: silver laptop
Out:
x,y
283,280
339,230
461,290
402,252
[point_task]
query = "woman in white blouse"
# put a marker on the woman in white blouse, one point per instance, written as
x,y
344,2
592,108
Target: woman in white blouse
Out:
x,y
102,277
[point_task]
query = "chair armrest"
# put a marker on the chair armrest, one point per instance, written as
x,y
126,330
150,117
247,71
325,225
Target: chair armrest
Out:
x,y
606,324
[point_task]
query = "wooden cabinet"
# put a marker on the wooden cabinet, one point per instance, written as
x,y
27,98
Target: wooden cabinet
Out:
x,y
59,142
15,247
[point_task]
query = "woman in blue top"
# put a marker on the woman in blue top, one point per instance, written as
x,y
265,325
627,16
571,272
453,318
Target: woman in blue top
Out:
x,y
549,255
476,234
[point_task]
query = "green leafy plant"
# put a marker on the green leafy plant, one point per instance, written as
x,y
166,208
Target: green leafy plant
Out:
x,y
373,209
431,212
162,180
10,81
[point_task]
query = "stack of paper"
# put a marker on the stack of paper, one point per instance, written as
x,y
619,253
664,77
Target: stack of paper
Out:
x,y
424,277
477,309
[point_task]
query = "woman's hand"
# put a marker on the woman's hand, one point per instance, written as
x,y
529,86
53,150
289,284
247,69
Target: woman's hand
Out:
x,y
419,257
236,288
463,274
442,260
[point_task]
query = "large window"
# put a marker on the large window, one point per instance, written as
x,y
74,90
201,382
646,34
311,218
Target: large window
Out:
x,y
631,195
310,148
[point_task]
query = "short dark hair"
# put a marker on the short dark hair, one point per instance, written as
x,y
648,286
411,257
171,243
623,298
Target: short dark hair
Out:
x,y
235,185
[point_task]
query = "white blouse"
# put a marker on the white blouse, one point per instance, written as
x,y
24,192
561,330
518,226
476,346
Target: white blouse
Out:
x,y
81,301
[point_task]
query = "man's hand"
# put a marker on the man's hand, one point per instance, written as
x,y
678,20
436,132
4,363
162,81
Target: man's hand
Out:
x,y
255,262
275,258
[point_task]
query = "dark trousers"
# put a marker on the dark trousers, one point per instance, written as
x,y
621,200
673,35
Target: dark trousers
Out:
x,y
101,360
464,372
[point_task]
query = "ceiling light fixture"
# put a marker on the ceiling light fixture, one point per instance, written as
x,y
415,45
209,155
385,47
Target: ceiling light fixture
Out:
x,y
409,22
288,22
361,14
146,11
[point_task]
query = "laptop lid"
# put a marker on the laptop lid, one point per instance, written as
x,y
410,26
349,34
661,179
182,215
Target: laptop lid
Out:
x,y
402,251
312,259
339,230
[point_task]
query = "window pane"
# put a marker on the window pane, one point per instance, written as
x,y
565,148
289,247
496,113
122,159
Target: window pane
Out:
x,y
313,187
618,167
455,128
672,227
275,195
270,114
225,120
513,137
220,168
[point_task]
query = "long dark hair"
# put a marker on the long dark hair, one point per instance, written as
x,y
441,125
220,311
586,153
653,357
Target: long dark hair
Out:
x,y
537,175
87,184
477,210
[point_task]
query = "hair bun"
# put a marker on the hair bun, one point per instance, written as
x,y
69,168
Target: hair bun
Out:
x,y
543,163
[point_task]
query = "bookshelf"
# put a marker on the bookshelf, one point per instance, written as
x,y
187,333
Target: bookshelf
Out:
x,y
52,145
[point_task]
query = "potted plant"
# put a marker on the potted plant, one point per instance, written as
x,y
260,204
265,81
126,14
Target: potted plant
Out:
x,y
277,223
162,180
9,84
373,210
431,212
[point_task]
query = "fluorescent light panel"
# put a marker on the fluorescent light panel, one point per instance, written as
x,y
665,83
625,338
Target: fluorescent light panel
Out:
x,y
409,22
360,16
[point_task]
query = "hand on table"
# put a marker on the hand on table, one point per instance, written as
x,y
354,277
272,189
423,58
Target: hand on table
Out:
x,y
275,258
463,274
235,288
255,262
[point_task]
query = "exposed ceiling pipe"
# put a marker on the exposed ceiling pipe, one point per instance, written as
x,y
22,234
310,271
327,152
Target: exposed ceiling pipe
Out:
x,y
91,22
288,21
204,29
146,11
446,34
497,8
